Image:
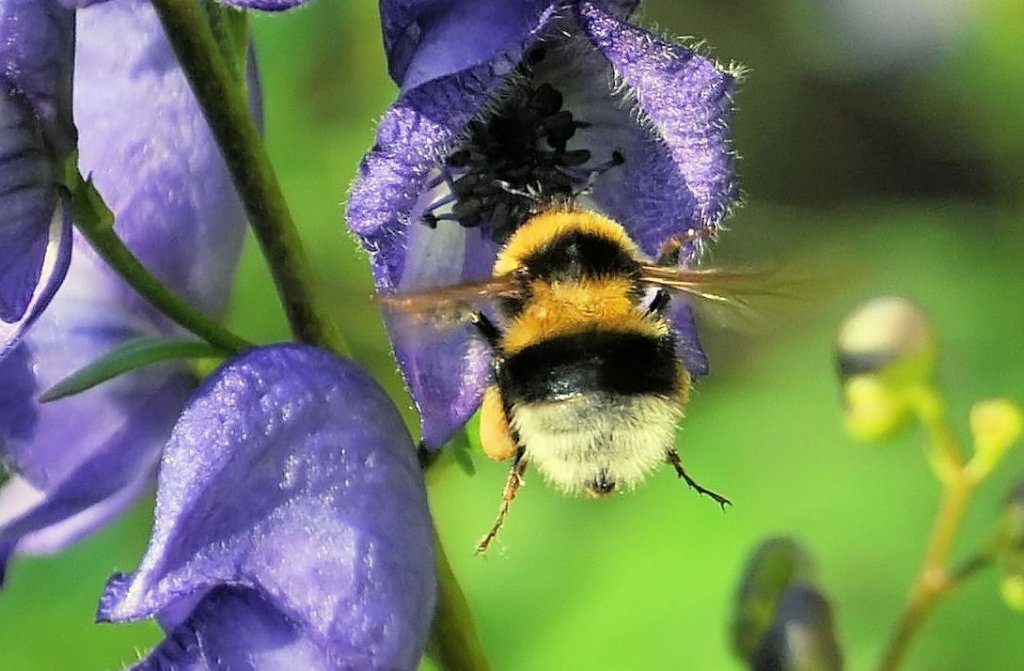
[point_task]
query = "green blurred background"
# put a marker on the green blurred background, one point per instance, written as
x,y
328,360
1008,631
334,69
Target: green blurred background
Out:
x,y
883,153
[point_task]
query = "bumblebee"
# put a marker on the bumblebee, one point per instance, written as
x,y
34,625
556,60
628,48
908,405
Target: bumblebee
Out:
x,y
586,382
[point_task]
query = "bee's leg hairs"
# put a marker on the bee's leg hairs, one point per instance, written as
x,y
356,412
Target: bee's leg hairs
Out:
x,y
512,484
673,458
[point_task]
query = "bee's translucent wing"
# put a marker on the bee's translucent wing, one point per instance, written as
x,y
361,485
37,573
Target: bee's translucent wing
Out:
x,y
445,361
726,287
450,307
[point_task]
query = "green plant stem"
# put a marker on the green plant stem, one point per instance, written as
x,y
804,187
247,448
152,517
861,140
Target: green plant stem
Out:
x,y
227,111
103,238
935,578
453,639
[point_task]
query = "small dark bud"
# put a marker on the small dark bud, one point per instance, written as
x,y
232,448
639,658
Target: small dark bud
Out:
x,y
775,565
802,635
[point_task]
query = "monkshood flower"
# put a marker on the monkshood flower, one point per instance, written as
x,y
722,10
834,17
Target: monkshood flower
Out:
x,y
505,107
36,136
78,462
292,528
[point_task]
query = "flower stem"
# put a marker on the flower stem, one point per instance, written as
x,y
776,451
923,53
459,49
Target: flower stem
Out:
x,y
935,578
95,222
453,639
226,108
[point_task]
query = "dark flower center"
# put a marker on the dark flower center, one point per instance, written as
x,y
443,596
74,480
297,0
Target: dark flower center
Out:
x,y
515,160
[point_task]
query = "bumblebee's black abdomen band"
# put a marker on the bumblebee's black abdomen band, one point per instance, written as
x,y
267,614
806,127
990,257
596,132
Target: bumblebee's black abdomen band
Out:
x,y
578,254
593,361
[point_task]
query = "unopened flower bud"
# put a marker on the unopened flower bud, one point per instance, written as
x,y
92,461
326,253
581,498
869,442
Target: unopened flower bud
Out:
x,y
996,424
885,349
873,411
887,336
802,635
1012,541
772,568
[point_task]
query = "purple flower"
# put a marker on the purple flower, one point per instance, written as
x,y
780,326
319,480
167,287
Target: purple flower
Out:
x,y
292,529
507,105
80,461
36,136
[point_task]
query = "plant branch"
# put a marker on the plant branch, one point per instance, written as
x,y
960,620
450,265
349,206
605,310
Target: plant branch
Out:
x,y
227,111
95,222
935,578
453,639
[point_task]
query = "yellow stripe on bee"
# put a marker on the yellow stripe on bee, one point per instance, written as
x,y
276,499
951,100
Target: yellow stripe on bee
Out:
x,y
541,229
568,308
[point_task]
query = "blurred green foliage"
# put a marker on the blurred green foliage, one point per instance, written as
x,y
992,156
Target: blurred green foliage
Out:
x,y
865,172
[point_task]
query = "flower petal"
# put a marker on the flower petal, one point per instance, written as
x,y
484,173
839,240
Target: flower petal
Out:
x,y
647,194
290,474
116,469
427,39
686,98
235,628
446,374
166,182
21,245
81,460
265,5
688,346
36,135
36,59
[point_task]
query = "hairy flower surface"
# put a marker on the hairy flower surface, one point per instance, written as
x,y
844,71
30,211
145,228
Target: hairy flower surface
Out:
x,y
80,461
292,529
507,107
36,136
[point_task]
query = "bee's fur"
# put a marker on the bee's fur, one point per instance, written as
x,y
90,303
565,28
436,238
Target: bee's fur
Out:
x,y
586,376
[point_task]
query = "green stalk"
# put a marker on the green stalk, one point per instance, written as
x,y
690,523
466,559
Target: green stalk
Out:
x,y
95,222
453,639
227,111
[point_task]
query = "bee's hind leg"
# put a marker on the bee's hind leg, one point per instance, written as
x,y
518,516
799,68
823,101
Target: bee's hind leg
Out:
x,y
673,458
512,484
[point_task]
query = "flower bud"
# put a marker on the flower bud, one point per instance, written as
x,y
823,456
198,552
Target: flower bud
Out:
x,y
888,336
885,349
873,411
802,635
996,424
772,568
1012,533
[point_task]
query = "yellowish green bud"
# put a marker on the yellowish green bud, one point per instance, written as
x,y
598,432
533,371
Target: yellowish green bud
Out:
x,y
996,424
873,409
1011,548
1012,589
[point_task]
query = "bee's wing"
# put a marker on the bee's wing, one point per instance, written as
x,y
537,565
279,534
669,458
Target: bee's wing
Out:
x,y
733,288
446,308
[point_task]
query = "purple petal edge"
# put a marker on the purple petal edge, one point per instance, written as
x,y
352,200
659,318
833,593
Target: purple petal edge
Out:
x,y
291,475
265,5
55,262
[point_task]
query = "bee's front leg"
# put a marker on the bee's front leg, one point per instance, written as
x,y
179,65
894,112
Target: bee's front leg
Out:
x,y
491,334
